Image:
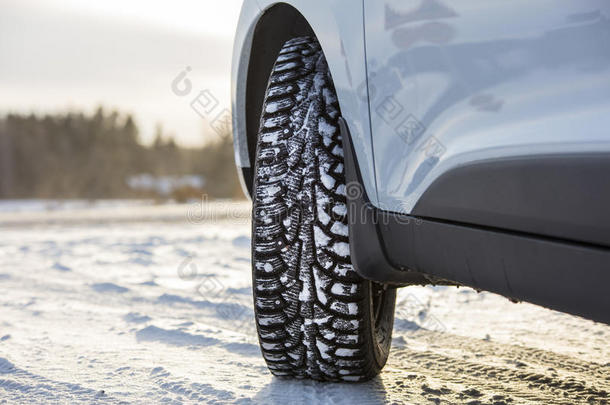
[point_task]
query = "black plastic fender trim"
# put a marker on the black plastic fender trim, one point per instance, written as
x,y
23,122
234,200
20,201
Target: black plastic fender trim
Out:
x,y
366,246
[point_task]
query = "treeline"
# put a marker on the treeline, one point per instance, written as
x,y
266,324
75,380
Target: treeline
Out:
x,y
75,155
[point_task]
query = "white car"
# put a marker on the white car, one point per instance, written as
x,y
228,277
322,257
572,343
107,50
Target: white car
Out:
x,y
387,143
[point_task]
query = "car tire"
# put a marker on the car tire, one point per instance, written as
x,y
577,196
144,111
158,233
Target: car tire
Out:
x,y
316,317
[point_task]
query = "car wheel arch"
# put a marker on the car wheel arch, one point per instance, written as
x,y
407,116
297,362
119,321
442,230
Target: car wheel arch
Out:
x,y
275,26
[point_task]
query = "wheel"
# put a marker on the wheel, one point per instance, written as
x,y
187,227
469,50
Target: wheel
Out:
x,y
316,317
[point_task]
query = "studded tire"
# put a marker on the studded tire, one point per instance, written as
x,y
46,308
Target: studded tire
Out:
x,y
316,317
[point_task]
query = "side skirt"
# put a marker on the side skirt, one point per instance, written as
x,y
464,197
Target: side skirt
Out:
x,y
404,250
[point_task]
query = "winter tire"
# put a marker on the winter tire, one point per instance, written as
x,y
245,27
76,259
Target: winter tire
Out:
x,y
316,317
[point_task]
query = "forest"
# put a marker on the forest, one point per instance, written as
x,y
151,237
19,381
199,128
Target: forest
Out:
x,y
101,155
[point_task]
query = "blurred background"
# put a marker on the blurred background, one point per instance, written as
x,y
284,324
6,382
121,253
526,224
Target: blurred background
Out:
x,y
120,99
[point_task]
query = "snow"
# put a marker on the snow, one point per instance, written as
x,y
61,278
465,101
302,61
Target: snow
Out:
x,y
339,228
275,106
320,237
346,352
323,349
343,289
341,249
109,288
10,206
322,215
271,137
270,193
134,303
328,181
6,366
326,130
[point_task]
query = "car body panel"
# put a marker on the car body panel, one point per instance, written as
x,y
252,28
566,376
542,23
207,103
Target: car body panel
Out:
x,y
339,27
250,12
455,83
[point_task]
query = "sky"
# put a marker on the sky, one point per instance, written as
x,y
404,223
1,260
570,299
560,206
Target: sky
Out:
x,y
74,55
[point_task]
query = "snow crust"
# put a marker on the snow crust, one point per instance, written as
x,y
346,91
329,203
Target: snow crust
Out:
x,y
154,308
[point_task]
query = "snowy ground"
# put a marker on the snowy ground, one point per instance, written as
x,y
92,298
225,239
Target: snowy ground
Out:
x,y
138,304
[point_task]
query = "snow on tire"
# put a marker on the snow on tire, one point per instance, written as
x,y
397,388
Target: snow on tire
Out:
x,y
316,318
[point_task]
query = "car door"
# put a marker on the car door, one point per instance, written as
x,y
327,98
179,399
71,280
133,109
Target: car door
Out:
x,y
453,83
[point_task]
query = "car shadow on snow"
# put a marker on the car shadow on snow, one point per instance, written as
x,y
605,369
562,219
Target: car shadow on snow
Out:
x,y
283,391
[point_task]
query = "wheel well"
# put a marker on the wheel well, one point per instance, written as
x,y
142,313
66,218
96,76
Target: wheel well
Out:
x,y
276,26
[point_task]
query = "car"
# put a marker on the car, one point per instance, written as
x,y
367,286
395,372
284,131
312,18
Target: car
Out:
x,y
389,143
